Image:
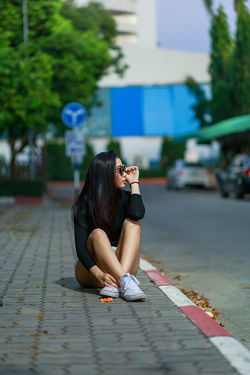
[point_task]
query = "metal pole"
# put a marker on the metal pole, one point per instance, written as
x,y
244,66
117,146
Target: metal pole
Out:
x,y
26,42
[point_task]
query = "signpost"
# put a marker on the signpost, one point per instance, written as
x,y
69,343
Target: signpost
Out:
x,y
74,115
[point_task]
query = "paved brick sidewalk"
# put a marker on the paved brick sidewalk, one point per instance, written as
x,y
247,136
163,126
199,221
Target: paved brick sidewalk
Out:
x,y
49,325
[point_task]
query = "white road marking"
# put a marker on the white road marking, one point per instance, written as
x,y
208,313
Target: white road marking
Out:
x,y
145,265
176,296
236,353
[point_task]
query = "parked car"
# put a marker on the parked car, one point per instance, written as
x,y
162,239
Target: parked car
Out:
x,y
236,177
187,174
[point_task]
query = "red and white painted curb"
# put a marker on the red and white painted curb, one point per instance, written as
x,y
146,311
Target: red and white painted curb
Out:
x,y
236,353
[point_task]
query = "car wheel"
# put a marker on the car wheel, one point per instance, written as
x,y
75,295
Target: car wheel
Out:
x,y
223,193
239,194
238,190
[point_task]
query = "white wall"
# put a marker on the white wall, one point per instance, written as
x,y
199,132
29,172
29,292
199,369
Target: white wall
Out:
x,y
156,66
147,30
135,150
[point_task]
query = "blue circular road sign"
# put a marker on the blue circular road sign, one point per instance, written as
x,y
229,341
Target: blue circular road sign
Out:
x,y
74,115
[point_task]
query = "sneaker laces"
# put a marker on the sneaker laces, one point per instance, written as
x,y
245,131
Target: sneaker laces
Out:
x,y
129,279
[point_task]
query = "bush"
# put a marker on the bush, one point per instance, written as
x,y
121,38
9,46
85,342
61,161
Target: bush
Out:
x,y
152,173
170,152
30,188
59,164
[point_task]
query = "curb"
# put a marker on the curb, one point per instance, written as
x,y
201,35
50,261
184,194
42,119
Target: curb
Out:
x,y
20,199
236,353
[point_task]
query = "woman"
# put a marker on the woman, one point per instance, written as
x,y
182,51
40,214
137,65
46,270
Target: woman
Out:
x,y
106,216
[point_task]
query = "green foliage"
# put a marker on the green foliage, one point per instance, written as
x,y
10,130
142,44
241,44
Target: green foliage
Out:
x,y
90,154
14,187
221,51
58,164
152,173
96,18
114,145
240,66
201,108
229,68
69,51
208,4
170,152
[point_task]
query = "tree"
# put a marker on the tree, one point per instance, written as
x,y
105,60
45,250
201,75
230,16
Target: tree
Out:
x,y
221,51
114,145
25,96
89,155
240,65
64,62
209,5
201,108
170,152
229,68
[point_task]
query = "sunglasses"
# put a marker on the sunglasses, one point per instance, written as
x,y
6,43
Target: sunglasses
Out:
x,y
121,169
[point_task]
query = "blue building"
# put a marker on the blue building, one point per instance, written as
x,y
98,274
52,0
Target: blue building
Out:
x,y
149,102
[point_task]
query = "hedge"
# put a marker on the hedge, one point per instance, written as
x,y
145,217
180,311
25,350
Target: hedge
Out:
x,y
13,187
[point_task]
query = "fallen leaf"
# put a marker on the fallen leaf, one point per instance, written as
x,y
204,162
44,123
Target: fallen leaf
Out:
x,y
201,301
1,302
178,277
41,316
212,258
2,326
128,363
20,299
245,286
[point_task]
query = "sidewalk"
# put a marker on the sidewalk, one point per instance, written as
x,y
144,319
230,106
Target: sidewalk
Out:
x,y
49,325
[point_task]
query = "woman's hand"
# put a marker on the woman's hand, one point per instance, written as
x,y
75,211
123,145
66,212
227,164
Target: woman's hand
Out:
x,y
132,174
107,280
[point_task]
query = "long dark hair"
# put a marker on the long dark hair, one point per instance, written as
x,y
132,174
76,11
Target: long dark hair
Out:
x,y
99,196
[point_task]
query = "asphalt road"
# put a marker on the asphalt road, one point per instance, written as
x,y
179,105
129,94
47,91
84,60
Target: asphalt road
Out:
x,y
200,234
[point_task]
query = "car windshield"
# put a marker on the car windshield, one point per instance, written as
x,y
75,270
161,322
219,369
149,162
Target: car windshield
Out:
x,y
193,165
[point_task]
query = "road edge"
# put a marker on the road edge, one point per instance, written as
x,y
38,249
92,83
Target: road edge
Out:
x,y
235,352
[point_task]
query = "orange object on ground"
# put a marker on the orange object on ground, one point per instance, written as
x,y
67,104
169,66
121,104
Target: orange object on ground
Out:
x,y
109,299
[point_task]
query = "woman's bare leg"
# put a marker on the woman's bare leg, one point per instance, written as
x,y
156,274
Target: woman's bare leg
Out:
x,y
128,249
126,258
84,277
100,248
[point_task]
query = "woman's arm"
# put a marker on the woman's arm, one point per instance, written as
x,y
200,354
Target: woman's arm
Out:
x,y
135,206
81,236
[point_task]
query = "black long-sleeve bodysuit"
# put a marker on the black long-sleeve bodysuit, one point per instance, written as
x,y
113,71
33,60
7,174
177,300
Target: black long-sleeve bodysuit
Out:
x,y
129,206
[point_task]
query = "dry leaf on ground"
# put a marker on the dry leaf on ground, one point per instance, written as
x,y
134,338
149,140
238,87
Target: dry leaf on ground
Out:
x,y
178,277
201,301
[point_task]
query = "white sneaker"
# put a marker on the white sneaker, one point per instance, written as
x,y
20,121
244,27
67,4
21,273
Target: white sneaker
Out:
x,y
109,291
130,290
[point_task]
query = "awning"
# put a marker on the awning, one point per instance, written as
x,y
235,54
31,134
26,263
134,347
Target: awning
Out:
x,y
221,129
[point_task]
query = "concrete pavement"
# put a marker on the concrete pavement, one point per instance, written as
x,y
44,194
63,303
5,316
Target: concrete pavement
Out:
x,y
50,325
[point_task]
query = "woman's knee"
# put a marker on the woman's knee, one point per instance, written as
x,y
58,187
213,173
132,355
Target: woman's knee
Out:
x,y
97,234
